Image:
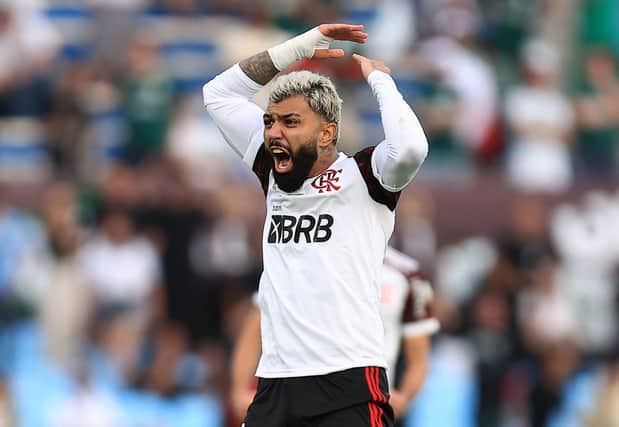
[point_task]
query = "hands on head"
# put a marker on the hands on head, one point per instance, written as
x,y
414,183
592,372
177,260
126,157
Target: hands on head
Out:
x,y
352,33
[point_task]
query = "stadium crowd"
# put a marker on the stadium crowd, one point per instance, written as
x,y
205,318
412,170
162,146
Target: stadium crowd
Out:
x,y
130,243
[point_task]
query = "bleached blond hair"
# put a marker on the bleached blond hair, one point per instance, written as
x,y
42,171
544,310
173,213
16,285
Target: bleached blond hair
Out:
x,y
318,90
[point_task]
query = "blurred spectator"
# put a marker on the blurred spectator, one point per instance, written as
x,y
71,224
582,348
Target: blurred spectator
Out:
x,y
137,274
394,28
540,119
224,251
526,240
100,143
167,347
545,313
606,410
118,333
23,151
28,44
470,77
492,339
204,164
148,97
559,19
112,29
440,109
585,237
54,283
22,238
415,232
438,104
506,25
557,363
597,114
461,267
68,118
128,297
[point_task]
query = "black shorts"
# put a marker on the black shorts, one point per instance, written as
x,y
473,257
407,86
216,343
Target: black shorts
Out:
x,y
357,397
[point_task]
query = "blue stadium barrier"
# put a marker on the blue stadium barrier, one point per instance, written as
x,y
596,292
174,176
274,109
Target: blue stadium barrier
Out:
x,y
578,398
35,385
448,398
74,23
147,409
191,63
192,411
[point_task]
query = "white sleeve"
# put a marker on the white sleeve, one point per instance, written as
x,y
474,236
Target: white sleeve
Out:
x,y
405,264
228,101
421,327
396,160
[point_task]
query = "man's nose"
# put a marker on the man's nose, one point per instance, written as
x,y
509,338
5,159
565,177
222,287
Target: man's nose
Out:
x,y
274,131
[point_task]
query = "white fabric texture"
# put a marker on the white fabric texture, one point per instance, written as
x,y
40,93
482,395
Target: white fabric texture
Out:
x,y
397,159
300,47
228,100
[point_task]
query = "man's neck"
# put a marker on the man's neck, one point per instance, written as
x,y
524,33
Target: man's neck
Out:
x,y
323,162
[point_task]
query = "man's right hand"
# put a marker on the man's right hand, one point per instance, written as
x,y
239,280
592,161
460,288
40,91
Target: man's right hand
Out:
x,y
353,33
368,65
315,44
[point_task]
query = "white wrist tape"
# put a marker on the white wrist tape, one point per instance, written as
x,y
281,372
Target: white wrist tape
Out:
x,y
299,47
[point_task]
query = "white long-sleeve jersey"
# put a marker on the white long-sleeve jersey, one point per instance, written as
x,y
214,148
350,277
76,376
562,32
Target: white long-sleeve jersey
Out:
x,y
323,245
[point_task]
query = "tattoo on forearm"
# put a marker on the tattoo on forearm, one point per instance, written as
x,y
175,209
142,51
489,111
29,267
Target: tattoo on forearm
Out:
x,y
259,68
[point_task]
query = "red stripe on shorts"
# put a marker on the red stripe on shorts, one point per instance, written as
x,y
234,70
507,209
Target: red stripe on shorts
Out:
x,y
368,379
381,397
376,413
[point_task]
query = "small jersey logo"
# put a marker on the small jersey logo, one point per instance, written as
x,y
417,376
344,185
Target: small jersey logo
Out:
x,y
327,180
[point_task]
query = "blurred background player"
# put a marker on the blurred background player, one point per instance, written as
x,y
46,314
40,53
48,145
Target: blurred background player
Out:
x,y
407,314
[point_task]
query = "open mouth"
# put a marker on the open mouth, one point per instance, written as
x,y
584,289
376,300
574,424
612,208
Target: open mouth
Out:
x,y
281,159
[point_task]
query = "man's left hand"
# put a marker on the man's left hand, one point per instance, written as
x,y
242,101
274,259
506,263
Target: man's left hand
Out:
x,y
368,65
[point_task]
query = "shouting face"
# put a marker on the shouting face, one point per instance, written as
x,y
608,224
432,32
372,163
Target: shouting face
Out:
x,y
291,131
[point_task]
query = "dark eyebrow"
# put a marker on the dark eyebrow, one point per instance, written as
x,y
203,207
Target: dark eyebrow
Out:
x,y
283,116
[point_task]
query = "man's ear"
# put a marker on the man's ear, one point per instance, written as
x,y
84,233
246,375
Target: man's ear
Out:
x,y
327,134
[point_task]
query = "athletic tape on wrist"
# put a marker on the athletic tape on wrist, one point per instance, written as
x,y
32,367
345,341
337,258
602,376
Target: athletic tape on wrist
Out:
x,y
299,47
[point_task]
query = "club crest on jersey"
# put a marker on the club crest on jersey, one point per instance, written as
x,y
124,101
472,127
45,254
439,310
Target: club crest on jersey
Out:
x,y
327,180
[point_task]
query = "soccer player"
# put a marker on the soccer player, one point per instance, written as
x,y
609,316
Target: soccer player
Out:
x,y
407,311
329,217
407,315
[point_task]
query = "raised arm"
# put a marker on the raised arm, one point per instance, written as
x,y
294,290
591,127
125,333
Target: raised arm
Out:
x,y
227,97
396,160
228,101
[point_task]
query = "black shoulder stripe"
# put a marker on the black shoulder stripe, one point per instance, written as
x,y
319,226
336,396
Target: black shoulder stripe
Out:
x,y
376,191
263,164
